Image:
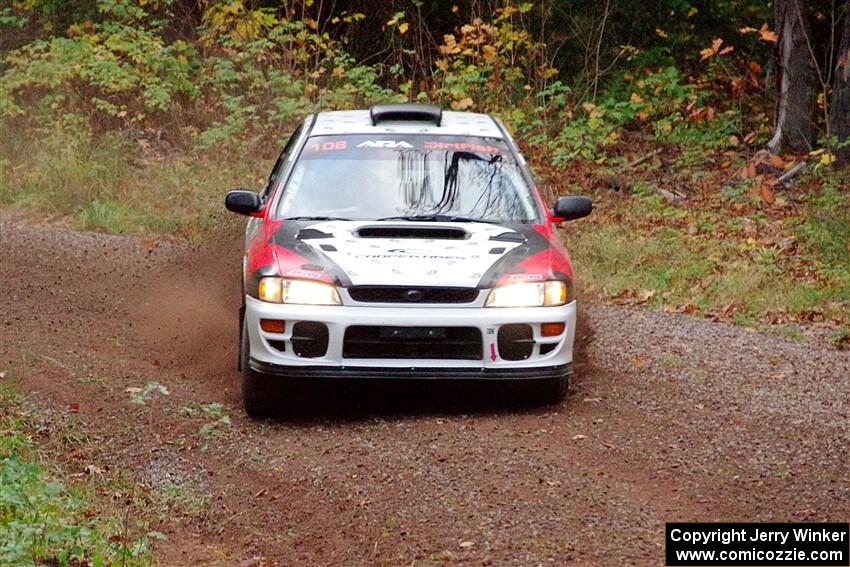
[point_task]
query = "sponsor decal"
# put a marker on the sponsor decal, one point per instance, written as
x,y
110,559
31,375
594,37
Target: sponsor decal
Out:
x,y
304,274
462,146
327,146
391,144
412,256
526,277
412,253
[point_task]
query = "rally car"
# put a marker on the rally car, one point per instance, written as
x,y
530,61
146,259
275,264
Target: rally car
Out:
x,y
403,242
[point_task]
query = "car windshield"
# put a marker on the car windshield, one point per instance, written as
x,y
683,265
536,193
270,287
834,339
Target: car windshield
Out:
x,y
414,177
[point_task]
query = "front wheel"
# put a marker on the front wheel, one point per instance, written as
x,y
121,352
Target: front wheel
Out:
x,y
551,391
260,392
540,392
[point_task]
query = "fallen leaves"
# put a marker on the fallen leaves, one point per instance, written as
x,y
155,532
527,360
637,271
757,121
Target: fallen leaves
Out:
x,y
95,470
766,171
766,193
633,297
841,340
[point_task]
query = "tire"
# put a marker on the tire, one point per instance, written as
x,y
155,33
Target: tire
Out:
x,y
542,392
260,392
552,391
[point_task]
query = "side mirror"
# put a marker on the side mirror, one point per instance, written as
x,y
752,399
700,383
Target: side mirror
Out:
x,y
571,208
243,202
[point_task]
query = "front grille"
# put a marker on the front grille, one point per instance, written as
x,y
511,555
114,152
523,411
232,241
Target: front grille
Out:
x,y
447,343
407,294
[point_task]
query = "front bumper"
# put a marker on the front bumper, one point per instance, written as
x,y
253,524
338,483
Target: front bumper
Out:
x,y
360,372
550,356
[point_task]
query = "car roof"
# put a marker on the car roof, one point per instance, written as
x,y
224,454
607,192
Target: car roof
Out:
x,y
452,124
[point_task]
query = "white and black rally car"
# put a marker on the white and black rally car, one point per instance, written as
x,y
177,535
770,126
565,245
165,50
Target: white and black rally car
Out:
x,y
407,242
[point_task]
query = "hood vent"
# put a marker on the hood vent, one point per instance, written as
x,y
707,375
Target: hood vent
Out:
x,y
508,237
310,233
416,232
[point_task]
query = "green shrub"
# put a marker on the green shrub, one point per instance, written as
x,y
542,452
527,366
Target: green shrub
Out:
x,y
45,522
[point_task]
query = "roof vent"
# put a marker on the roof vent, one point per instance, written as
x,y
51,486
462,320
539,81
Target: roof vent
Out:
x,y
406,112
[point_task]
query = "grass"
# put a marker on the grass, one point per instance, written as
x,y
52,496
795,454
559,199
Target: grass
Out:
x,y
117,185
45,521
705,256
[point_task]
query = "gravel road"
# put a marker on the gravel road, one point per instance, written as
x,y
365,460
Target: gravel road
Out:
x,y
672,419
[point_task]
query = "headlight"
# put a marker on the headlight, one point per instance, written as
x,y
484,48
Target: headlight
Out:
x,y
538,294
302,292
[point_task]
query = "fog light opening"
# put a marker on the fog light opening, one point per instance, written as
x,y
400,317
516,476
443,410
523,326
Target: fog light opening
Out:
x,y
273,325
552,329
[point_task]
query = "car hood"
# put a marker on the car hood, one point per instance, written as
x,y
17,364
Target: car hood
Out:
x,y
414,253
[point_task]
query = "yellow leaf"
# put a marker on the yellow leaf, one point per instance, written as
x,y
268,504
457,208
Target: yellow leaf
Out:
x,y
462,104
766,35
402,27
636,98
660,32
825,159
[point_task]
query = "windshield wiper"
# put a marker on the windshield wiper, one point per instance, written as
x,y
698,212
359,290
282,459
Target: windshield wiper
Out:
x,y
437,218
316,218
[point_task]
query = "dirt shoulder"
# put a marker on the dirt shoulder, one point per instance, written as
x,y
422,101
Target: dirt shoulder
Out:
x,y
676,419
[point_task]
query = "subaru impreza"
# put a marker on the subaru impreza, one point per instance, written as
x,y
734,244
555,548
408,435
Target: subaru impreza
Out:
x,y
403,242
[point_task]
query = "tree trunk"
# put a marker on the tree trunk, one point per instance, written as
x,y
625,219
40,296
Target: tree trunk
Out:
x,y
839,112
795,127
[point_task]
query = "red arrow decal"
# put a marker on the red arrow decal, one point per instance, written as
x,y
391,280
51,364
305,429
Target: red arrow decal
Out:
x,y
493,356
